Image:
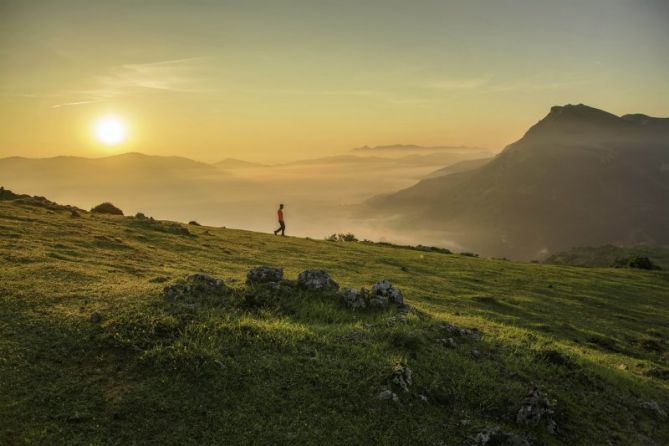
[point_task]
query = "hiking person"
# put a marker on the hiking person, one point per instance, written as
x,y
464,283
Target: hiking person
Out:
x,y
282,225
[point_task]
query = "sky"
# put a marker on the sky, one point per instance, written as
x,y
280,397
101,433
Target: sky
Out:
x,y
284,80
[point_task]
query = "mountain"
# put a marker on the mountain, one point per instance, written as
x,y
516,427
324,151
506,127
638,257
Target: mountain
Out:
x,y
415,148
461,166
233,163
580,176
94,352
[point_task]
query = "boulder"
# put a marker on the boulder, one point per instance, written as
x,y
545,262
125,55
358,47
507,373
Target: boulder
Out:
x,y
454,330
385,289
264,274
196,286
355,299
316,280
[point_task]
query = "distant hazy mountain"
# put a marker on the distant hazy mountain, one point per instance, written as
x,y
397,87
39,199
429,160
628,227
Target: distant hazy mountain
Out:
x,y
461,166
233,163
414,148
580,176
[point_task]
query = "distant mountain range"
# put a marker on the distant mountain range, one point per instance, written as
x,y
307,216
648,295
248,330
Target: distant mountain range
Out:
x,y
580,176
415,148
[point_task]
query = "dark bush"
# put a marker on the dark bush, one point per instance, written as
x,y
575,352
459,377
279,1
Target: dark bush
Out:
x,y
194,223
469,254
107,208
348,237
637,262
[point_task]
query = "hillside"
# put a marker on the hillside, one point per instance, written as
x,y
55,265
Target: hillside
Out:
x,y
604,256
462,166
580,176
92,352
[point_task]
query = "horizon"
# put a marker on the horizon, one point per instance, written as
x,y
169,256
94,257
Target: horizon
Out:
x,y
194,80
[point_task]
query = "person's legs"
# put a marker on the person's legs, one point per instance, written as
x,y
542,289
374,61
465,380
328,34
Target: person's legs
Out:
x,y
283,228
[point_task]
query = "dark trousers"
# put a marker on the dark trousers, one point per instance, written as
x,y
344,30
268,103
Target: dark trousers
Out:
x,y
282,228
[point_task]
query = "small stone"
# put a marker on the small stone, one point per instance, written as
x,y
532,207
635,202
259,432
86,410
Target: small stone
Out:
x,y
95,317
422,397
385,289
652,406
402,376
476,354
387,395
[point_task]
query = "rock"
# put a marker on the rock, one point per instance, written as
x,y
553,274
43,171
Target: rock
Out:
x,y
385,289
316,280
449,342
422,397
387,395
494,436
535,406
476,354
196,286
74,213
378,302
402,377
355,299
655,408
454,330
95,317
264,274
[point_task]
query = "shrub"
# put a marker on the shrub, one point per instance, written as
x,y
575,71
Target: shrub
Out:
x,y
107,208
637,262
341,237
194,223
469,254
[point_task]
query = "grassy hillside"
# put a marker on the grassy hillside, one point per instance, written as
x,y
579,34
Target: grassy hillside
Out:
x,y
91,352
603,256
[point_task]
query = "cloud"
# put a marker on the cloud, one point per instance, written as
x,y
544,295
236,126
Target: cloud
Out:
x,y
179,75
69,104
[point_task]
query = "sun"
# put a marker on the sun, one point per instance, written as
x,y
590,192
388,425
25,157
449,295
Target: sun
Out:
x,y
110,130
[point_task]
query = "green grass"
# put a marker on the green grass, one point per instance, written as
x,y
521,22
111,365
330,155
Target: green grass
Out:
x,y
306,370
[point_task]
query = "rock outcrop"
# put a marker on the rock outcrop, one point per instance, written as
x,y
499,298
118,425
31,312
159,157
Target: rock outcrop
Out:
x,y
316,280
264,274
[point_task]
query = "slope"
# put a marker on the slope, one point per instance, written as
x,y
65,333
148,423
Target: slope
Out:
x,y
92,353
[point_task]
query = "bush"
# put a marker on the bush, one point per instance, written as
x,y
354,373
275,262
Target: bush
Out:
x,y
194,223
469,254
348,237
637,262
107,208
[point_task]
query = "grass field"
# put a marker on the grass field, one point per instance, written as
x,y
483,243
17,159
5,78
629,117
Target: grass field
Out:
x,y
303,369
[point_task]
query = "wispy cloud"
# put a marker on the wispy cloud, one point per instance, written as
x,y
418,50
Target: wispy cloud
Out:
x,y
181,75
70,104
177,75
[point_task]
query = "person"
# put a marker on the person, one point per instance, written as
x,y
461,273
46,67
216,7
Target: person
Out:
x,y
282,225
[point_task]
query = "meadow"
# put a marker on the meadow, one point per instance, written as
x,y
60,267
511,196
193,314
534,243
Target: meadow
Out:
x,y
91,352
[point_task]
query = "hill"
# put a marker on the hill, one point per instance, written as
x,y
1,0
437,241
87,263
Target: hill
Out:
x,y
462,166
232,163
416,148
580,176
93,352
604,256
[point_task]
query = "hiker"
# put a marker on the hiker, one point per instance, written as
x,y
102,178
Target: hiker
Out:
x,y
282,225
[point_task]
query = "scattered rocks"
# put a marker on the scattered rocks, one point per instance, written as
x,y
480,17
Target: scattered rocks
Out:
x,y
655,408
402,377
454,330
387,395
536,408
378,302
316,280
196,286
385,289
95,317
495,436
264,274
